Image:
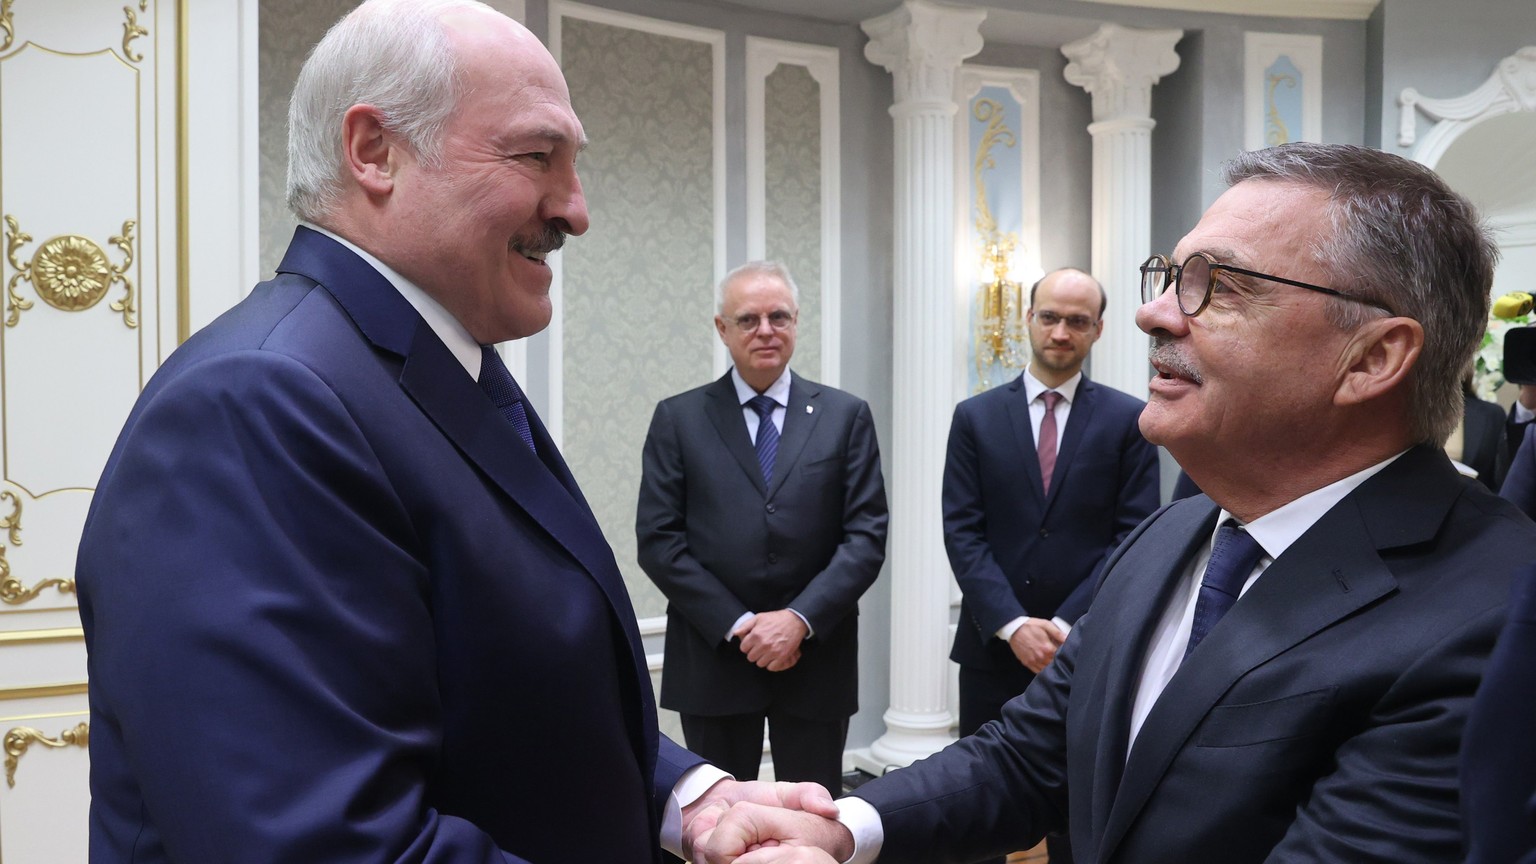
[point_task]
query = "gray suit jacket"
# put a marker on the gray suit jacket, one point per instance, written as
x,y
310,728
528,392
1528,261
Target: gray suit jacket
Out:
x,y
1318,722
719,544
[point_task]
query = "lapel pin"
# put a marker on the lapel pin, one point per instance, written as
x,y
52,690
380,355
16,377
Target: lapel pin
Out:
x,y
810,409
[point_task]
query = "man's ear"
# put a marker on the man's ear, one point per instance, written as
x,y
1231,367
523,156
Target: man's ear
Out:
x,y
1379,357
368,150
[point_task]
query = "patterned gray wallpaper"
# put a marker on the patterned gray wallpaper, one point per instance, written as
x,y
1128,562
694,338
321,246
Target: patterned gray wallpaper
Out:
x,y
286,32
792,175
638,288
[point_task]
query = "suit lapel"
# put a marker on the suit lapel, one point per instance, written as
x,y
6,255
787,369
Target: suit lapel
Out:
x,y
730,424
1024,434
1150,572
1330,572
800,419
1079,420
438,384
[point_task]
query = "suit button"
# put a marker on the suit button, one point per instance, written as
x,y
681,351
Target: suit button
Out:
x,y
1044,533
773,558
772,509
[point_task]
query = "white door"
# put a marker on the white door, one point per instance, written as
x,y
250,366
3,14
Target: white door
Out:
x,y
88,197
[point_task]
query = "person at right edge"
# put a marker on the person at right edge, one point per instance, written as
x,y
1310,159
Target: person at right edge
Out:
x,y
1281,669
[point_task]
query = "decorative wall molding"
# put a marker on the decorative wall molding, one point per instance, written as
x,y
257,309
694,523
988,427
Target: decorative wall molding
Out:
x,y
559,10
1269,89
1022,155
44,691
20,738
1338,10
1511,88
37,637
763,57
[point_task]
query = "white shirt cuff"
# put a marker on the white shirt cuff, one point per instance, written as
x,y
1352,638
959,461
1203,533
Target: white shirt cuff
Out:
x,y
862,821
809,630
690,787
745,617
1063,626
1006,631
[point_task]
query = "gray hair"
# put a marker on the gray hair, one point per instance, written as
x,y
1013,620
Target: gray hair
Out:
x,y
392,54
1402,238
757,268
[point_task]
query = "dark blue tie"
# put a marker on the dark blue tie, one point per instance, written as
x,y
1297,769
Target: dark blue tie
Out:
x,y
498,384
1234,552
767,444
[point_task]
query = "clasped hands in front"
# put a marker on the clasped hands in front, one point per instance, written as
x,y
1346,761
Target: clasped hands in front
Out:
x,y
765,823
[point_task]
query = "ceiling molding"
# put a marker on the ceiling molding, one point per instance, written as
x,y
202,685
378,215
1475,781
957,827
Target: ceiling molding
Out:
x,y
1346,10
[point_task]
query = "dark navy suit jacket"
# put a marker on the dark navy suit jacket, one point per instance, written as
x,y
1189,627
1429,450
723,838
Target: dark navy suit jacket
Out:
x,y
719,543
336,610
1498,787
1320,720
1018,551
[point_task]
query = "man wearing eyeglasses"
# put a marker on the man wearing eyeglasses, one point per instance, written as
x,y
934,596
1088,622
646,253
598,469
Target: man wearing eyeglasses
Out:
x,y
1043,478
1279,670
762,518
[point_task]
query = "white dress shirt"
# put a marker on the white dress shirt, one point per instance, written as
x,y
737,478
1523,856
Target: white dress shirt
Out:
x,y
778,391
1034,389
1274,531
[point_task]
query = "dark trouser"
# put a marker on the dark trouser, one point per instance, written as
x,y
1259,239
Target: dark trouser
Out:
x,y
802,749
982,696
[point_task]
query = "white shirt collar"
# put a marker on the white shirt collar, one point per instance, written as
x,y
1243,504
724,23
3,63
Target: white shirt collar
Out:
x,y
462,345
778,391
1068,389
1276,530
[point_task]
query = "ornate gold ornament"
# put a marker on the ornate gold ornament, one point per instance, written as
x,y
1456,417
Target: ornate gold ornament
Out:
x,y
132,31
15,238
11,590
12,523
19,739
8,28
1001,338
70,272
1275,131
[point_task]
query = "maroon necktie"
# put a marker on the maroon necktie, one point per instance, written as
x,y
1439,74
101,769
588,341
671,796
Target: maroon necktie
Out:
x,y
1047,446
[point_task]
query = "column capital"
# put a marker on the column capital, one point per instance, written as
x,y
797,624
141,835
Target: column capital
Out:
x,y
922,44
1119,65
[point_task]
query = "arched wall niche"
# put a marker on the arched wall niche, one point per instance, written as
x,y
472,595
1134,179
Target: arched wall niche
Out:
x,y
1481,144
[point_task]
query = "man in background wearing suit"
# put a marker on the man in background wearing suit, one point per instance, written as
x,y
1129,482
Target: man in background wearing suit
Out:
x,y
342,602
1043,478
762,518
1281,669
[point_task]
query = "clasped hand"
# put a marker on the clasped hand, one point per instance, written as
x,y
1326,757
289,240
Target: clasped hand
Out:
x,y
772,640
765,823
1035,643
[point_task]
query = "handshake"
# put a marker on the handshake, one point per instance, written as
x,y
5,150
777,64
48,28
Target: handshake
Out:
x,y
765,823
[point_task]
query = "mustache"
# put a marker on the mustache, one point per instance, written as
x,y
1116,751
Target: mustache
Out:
x,y
1167,355
542,243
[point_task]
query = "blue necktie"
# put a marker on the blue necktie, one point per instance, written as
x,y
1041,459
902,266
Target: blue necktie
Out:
x,y
498,384
767,444
1233,554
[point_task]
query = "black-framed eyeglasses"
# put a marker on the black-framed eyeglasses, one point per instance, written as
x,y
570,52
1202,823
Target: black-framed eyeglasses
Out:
x,y
778,319
1195,280
1075,323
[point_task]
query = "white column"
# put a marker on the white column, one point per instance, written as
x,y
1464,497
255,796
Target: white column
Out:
x,y
1119,66
921,44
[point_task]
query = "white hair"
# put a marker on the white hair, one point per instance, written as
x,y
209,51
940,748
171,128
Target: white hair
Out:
x,y
757,268
392,54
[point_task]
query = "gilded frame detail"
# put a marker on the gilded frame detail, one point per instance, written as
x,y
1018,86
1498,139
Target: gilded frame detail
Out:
x,y
19,739
70,272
